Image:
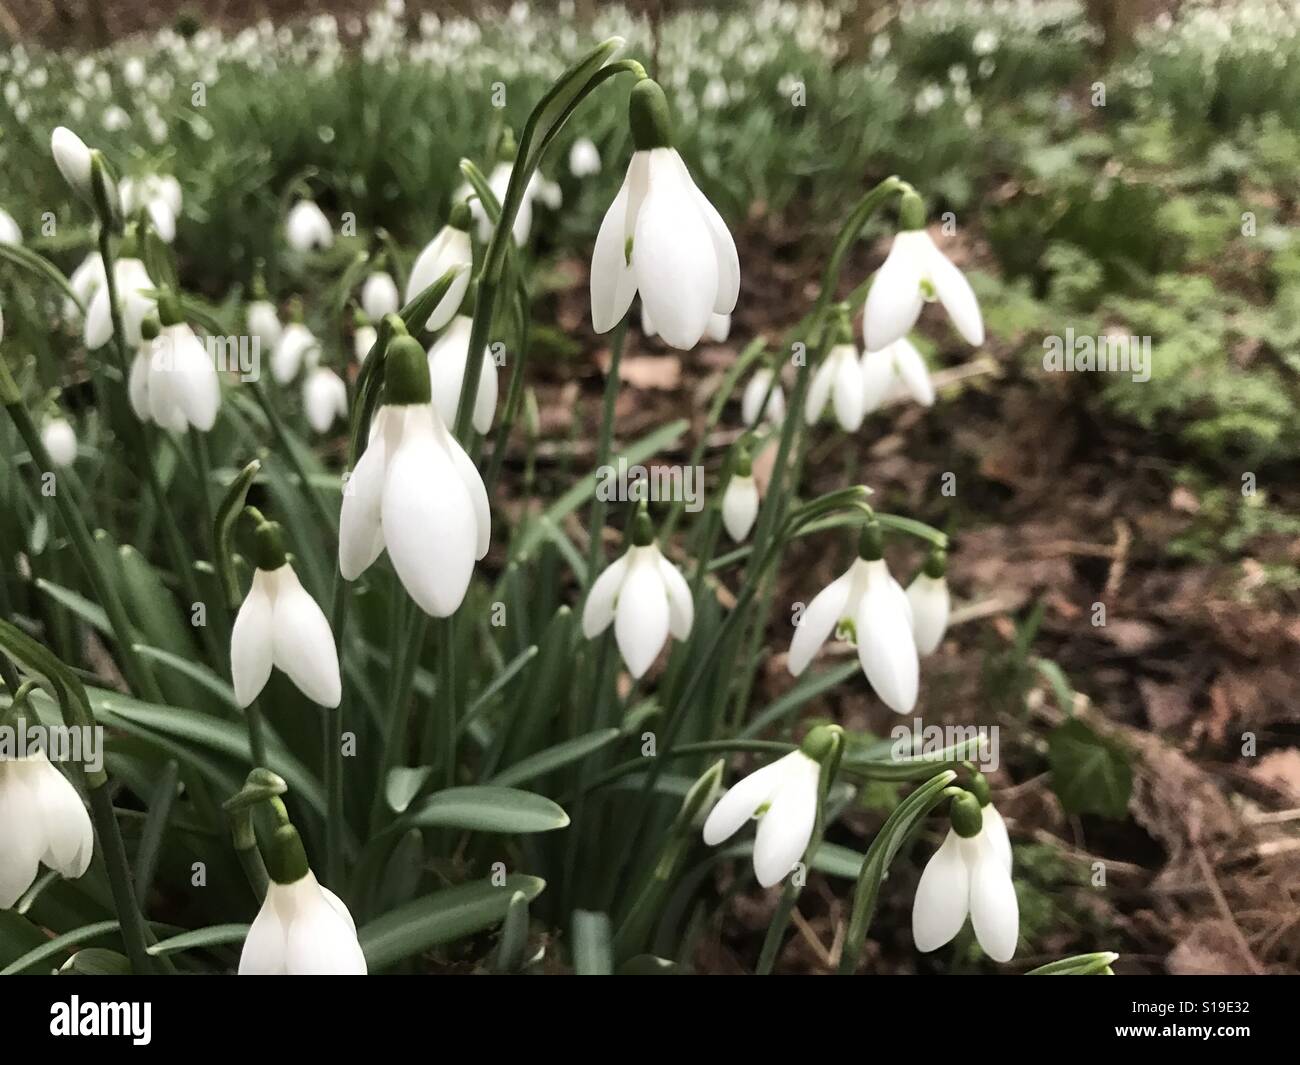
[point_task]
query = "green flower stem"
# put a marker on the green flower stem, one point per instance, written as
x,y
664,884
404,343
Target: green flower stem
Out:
x,y
446,693
138,673
256,734
514,396
596,522
134,933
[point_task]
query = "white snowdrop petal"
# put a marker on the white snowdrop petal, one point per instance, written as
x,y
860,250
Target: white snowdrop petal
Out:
x,y
303,645
339,907
929,599
251,641
784,831
20,835
474,488
995,828
911,370
956,295
60,441
320,943
447,360
428,520
613,284
485,399
641,616
994,911
598,611
894,302
819,391
69,837
681,606
940,906
724,247
264,946
739,803
379,296
138,385
886,647
719,328
817,622
847,392
673,258
361,536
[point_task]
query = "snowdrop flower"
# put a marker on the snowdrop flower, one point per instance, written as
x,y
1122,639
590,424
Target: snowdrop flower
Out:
x,y
740,500
584,158
86,280
415,492
447,360
970,874
73,160
644,596
324,398
838,380
133,72
915,272
302,929
782,797
264,323
133,292
870,606
449,250
297,342
172,380
59,441
279,624
928,595
895,372
115,119
42,821
159,197
751,403
307,228
363,339
9,231
379,296
549,193
662,238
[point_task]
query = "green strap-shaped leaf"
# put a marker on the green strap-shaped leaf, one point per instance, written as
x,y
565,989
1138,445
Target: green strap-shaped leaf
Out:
x,y
484,808
232,503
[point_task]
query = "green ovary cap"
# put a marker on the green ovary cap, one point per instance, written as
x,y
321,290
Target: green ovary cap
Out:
x,y
406,373
460,217
911,211
966,816
287,859
937,564
268,546
648,116
819,742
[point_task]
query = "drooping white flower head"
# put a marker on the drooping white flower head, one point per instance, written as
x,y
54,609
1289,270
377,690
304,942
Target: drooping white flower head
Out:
x,y
969,875
450,249
644,596
871,607
838,380
324,398
264,323
756,391
159,195
279,624
307,228
87,279
363,339
914,272
303,928
172,380
584,158
59,441
782,797
447,359
133,292
379,296
928,596
72,157
740,500
9,231
42,821
895,372
416,492
297,345
662,238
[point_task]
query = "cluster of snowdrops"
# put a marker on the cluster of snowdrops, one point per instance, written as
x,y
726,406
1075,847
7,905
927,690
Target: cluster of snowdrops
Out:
x,y
416,494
